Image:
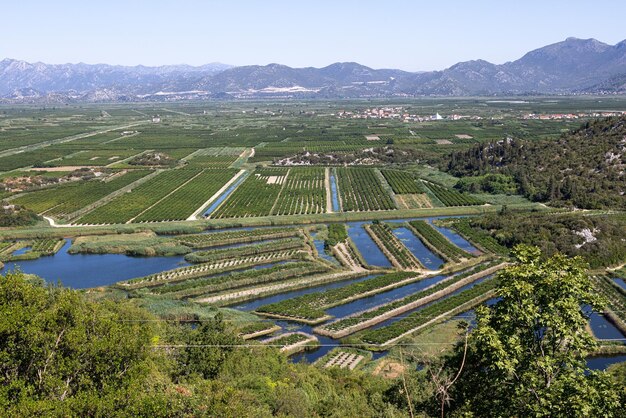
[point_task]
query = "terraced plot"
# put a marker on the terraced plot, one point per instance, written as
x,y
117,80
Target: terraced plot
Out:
x,y
450,197
399,255
437,242
309,308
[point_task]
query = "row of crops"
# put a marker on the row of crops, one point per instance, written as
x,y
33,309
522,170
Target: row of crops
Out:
x,y
402,182
183,202
450,197
390,244
437,242
218,283
128,206
255,196
243,251
382,310
310,307
215,239
304,192
361,190
423,316
208,269
479,237
71,197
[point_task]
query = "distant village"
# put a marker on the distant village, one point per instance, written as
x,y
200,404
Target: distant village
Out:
x,y
399,113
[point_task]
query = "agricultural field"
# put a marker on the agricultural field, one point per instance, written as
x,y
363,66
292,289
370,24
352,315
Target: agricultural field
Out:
x,y
303,193
183,202
134,203
399,255
437,242
402,182
63,200
361,190
256,196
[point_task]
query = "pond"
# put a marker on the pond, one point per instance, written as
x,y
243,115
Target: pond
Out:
x,y
81,271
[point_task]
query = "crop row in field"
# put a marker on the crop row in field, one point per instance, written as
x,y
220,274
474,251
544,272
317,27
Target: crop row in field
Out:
x,y
239,279
303,193
402,182
396,307
126,207
437,242
361,190
206,269
429,313
246,250
451,197
255,196
100,157
393,248
70,197
183,202
208,161
310,307
478,237
215,239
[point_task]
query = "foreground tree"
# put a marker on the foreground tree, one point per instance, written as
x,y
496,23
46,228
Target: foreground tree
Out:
x,y
526,356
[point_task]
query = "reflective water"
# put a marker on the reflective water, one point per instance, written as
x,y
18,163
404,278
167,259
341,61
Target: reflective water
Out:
x,y
81,271
417,247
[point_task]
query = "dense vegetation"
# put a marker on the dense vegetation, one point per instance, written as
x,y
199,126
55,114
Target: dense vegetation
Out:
x,y
65,356
599,239
15,215
584,168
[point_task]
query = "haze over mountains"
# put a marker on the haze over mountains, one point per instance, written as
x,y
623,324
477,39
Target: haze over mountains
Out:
x,y
573,66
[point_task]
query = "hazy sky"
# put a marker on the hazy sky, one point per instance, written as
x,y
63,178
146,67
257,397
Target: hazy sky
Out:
x,y
410,35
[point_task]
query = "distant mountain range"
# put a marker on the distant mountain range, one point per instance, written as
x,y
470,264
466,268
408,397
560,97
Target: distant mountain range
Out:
x,y
573,66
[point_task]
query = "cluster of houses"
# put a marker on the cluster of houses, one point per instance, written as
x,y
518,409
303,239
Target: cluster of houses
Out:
x,y
560,116
398,113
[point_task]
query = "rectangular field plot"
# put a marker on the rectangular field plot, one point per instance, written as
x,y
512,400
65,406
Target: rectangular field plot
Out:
x,y
361,190
221,157
402,182
93,158
256,196
130,205
304,192
70,197
182,203
451,197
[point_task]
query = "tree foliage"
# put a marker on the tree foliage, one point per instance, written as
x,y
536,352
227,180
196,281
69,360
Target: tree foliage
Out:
x,y
526,356
584,168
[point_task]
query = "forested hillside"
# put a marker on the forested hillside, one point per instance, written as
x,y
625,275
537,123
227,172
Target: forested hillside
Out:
x,y
584,168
